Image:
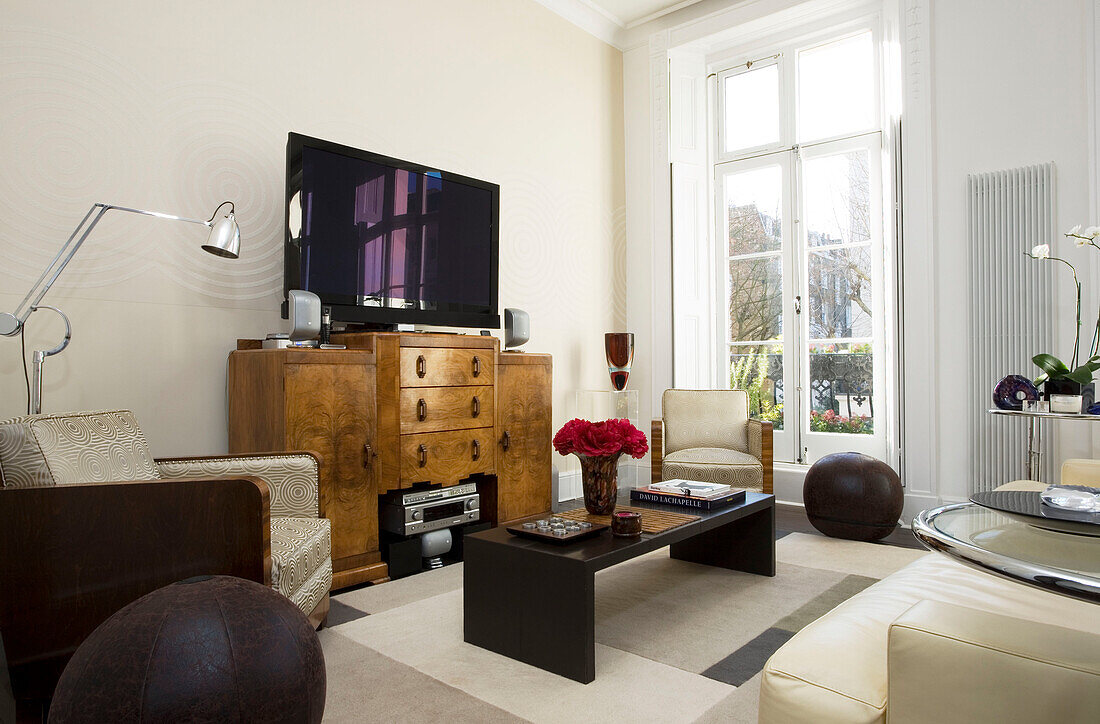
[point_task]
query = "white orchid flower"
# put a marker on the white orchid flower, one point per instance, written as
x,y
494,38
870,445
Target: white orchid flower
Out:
x,y
1081,240
1092,232
1042,251
1074,231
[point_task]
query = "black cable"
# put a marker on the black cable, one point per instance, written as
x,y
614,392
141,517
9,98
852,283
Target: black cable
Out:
x,y
23,356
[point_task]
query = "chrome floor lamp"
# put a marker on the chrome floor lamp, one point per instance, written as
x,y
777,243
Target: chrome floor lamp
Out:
x,y
223,240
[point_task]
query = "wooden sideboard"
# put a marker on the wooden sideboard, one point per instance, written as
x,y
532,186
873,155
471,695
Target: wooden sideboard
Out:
x,y
393,410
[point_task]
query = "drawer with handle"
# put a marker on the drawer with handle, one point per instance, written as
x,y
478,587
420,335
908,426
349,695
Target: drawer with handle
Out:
x,y
446,457
445,367
432,409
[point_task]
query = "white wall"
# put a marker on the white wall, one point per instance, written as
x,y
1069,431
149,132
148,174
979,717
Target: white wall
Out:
x,y
176,106
1009,90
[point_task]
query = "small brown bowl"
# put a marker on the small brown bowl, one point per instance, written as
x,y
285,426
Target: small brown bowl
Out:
x,y
626,524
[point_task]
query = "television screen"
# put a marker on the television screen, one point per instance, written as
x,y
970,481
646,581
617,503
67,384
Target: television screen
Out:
x,y
385,241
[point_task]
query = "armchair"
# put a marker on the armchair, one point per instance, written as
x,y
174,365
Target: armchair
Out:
x,y
90,521
707,435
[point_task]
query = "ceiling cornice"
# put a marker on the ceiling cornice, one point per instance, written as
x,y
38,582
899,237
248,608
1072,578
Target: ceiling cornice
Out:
x,y
590,18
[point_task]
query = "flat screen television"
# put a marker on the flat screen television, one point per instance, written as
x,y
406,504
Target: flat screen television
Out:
x,y
383,241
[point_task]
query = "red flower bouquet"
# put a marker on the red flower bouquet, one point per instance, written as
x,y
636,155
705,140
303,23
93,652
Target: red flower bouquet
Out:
x,y
599,445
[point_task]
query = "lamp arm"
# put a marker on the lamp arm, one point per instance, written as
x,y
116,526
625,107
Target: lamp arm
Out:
x,y
12,322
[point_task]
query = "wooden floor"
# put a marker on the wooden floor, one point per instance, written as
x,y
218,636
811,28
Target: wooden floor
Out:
x,y
792,518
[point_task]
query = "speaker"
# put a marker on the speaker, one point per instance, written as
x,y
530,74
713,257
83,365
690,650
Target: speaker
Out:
x,y
517,327
305,315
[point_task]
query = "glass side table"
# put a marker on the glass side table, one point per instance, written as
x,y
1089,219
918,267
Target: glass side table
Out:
x,y
1035,433
990,541
619,404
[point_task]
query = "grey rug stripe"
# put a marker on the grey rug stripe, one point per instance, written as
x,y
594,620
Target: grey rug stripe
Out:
x,y
825,602
747,661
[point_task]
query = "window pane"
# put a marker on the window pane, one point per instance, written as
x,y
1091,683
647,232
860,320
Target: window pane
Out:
x,y
836,88
753,210
839,286
840,388
756,299
837,197
758,369
751,108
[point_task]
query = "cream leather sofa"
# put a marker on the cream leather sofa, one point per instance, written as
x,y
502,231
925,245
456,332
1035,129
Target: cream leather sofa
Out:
x,y
107,446
940,642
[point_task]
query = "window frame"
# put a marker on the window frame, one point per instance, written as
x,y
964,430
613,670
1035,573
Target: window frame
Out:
x,y
784,51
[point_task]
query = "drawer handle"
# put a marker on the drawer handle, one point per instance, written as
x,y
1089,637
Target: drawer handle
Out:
x,y
421,410
477,366
476,407
422,452
477,450
421,366
506,441
368,454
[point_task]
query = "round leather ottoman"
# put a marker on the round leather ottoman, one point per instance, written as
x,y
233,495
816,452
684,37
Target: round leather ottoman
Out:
x,y
208,649
852,495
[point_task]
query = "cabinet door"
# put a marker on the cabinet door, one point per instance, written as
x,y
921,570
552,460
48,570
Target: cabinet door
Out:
x,y
523,452
330,410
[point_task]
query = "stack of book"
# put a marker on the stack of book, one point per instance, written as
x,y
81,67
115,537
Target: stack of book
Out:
x,y
689,494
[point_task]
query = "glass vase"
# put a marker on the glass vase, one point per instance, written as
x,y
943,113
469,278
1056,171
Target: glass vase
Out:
x,y
619,347
600,481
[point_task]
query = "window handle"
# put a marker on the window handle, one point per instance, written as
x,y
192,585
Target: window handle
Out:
x,y
798,305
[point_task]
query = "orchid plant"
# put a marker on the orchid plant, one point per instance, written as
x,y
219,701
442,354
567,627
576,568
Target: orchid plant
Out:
x,y
1052,367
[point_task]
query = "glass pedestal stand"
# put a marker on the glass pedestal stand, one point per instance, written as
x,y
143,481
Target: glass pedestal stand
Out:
x,y
596,405
1035,434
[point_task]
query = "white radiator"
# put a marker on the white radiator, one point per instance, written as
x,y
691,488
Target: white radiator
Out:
x,y
1011,310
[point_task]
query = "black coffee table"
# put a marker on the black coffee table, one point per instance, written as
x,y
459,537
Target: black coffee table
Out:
x,y
535,601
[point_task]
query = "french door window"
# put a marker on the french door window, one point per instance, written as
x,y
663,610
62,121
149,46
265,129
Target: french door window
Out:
x,y
799,209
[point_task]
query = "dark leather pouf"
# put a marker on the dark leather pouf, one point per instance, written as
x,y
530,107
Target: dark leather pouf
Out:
x,y
209,649
852,495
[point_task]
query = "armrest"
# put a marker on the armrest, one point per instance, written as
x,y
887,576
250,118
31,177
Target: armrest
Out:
x,y
75,554
947,663
1081,471
656,449
292,477
761,448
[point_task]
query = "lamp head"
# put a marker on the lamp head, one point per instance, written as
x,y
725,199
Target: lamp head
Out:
x,y
9,324
225,237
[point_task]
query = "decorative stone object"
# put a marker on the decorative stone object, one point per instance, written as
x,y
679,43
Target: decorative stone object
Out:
x,y
852,495
207,649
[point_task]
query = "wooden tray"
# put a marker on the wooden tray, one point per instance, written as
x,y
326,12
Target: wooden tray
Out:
x,y
535,534
653,521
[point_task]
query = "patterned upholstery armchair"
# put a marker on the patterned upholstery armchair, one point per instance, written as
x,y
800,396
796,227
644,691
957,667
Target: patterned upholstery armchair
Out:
x,y
706,435
107,448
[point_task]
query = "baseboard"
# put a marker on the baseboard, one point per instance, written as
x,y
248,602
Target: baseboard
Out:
x,y
915,503
569,485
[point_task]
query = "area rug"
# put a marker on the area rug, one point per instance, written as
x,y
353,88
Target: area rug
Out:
x,y
675,641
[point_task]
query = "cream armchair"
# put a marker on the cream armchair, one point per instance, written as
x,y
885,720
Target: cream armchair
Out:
x,y
706,435
109,446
